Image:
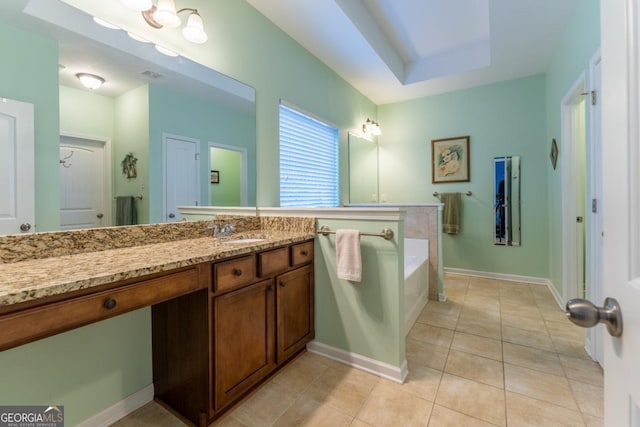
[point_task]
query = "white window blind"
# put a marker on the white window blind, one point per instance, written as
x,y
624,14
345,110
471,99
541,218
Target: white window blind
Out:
x,y
308,161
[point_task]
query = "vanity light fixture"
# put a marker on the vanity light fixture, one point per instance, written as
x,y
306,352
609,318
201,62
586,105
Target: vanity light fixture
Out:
x,y
164,14
137,37
163,50
90,81
371,128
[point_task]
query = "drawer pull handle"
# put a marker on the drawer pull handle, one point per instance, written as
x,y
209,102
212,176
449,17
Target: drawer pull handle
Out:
x,y
109,304
269,288
237,272
304,253
283,284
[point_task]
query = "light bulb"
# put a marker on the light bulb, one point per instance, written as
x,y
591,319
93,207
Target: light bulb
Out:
x,y
166,15
137,37
105,24
165,51
90,81
194,30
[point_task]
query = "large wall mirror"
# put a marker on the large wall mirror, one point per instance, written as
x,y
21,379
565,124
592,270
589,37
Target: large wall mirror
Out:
x,y
148,101
506,181
363,170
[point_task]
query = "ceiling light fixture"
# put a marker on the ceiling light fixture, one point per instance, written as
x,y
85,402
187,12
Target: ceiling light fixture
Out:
x,y
371,128
164,14
90,81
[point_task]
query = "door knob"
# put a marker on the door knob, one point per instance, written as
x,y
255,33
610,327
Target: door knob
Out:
x,y
584,313
25,227
172,215
100,215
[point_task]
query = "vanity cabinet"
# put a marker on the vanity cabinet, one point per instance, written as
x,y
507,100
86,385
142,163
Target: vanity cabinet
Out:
x,y
256,315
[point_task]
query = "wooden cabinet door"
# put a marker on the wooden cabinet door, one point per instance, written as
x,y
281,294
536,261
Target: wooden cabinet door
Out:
x,y
243,340
295,316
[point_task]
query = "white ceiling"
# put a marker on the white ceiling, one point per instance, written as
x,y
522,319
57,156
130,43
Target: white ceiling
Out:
x,y
396,50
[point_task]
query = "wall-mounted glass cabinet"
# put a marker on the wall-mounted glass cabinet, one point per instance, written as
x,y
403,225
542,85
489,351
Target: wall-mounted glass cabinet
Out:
x,y
506,181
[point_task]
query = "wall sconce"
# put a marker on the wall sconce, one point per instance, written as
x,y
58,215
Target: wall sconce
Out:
x,y
371,128
90,81
164,14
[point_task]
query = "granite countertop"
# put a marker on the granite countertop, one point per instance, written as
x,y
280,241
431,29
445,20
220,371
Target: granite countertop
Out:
x,y
37,278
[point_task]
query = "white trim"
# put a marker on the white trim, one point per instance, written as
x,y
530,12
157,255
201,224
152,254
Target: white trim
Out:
x,y
392,205
511,278
375,367
218,210
379,214
244,192
568,158
108,190
294,107
120,409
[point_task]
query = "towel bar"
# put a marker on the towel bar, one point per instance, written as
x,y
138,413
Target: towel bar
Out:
x,y
386,234
467,193
137,197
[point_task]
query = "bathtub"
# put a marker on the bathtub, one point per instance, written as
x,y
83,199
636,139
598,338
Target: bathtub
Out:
x,y
416,279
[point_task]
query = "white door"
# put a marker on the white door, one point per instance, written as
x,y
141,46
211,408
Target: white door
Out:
x,y
84,184
17,194
181,174
621,205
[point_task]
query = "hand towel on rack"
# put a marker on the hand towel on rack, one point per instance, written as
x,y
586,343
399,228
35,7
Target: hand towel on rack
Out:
x,y
451,212
126,213
348,258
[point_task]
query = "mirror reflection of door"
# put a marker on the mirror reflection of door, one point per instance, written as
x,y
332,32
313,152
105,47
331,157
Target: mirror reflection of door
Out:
x,y
228,184
84,184
506,181
363,170
181,175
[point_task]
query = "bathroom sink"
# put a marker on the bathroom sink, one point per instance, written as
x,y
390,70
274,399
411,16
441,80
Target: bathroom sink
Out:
x,y
245,240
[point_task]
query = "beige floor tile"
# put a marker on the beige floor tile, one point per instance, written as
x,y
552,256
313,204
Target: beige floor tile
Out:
x,y
150,415
483,282
476,368
389,406
309,413
532,358
472,398
553,315
477,345
528,311
565,330
300,373
454,281
357,423
431,334
346,389
483,291
539,340
472,314
447,321
266,405
444,417
483,329
421,381
229,421
481,303
592,421
570,348
524,411
445,307
590,398
420,353
583,370
456,295
538,385
526,323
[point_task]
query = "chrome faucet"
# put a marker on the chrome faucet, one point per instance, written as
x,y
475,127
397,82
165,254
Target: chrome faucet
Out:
x,y
222,230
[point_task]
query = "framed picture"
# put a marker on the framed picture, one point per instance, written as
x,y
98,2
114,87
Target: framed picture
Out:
x,y
450,160
215,177
554,153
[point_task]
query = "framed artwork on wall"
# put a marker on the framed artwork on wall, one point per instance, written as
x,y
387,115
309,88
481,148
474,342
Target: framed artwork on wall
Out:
x,y
215,177
450,160
554,153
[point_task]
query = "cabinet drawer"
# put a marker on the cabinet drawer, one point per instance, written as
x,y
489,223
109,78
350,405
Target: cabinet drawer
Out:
x,y
274,261
301,253
28,325
237,272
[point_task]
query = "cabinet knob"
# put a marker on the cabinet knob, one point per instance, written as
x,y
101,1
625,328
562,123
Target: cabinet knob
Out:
x,y
237,272
269,288
110,304
283,284
304,253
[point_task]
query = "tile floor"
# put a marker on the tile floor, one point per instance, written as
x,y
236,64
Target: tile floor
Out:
x,y
495,354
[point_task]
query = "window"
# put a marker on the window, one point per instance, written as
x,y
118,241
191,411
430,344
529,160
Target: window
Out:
x,y
308,161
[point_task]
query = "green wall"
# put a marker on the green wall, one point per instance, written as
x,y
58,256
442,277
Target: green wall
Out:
x,y
506,118
174,113
29,73
366,318
228,163
86,113
571,58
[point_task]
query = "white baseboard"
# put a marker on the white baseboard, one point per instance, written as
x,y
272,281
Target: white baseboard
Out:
x,y
375,367
512,278
120,409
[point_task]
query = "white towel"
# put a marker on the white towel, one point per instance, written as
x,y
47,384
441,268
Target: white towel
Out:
x,y
348,256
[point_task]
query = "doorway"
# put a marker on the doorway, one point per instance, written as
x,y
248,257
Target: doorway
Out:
x,y
228,166
85,182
